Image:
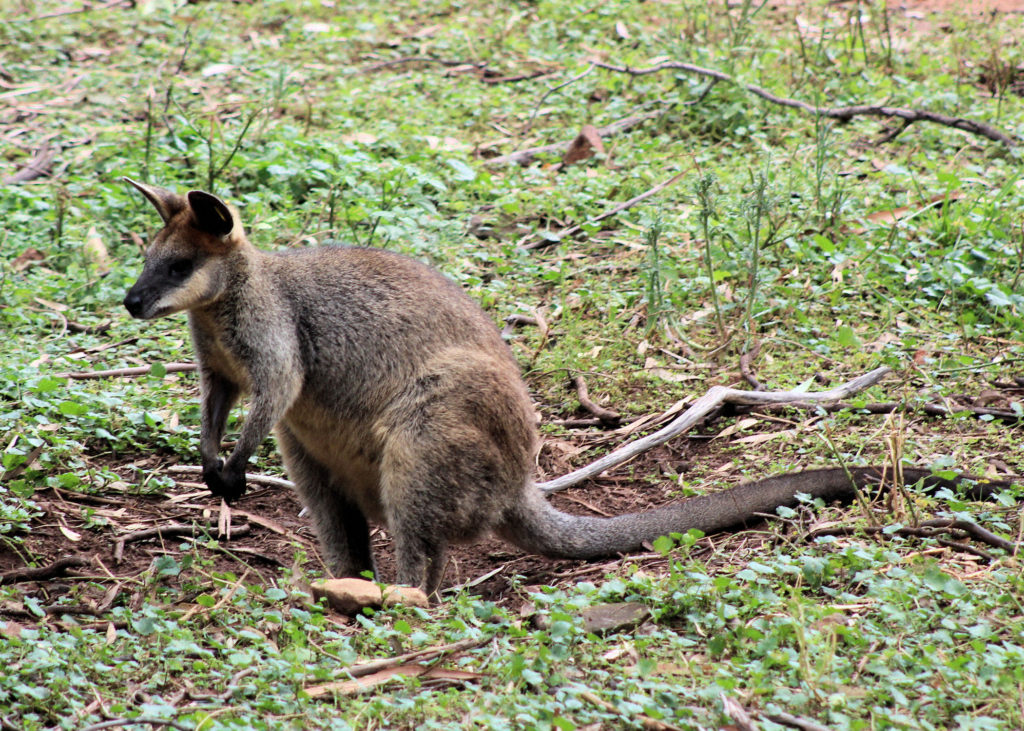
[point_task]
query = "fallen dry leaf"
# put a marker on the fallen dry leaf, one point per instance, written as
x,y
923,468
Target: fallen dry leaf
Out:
x,y
895,214
11,629
738,426
587,144
26,258
50,304
96,252
362,138
765,437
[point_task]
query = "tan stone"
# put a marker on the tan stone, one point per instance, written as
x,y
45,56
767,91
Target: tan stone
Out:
x,y
351,596
608,618
408,596
348,596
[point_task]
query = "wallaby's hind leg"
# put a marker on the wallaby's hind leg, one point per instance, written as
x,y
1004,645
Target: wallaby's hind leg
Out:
x,y
340,525
416,518
416,521
419,553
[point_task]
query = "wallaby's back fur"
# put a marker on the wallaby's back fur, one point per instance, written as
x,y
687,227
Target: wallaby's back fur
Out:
x,y
394,398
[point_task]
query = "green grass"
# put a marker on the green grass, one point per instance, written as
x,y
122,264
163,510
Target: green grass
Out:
x,y
289,110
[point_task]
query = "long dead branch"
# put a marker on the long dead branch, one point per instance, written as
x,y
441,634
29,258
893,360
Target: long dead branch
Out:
x,y
37,167
1007,417
703,406
843,114
932,529
251,478
805,724
424,655
607,416
52,571
173,530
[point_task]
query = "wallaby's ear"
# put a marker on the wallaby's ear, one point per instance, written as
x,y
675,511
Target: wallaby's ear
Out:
x,y
210,213
164,201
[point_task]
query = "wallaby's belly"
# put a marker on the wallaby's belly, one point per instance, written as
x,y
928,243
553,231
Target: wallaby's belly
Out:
x,y
347,450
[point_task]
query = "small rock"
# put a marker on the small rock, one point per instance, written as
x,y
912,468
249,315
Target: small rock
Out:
x,y
348,596
607,618
408,596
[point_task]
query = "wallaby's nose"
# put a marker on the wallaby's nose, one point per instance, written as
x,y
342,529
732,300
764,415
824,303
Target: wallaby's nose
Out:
x,y
133,303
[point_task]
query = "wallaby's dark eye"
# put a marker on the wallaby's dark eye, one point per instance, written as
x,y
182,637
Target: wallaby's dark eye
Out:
x,y
180,268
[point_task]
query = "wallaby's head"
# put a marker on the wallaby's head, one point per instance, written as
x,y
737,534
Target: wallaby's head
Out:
x,y
188,263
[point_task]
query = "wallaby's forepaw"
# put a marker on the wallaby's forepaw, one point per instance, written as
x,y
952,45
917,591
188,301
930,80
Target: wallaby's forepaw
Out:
x,y
224,483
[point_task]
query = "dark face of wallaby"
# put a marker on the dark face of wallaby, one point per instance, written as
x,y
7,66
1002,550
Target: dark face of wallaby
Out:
x,y
393,397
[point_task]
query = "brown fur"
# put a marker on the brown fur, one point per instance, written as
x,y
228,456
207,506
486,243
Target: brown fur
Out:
x,y
393,397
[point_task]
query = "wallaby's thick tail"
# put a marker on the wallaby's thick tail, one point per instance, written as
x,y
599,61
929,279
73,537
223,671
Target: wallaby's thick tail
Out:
x,y
539,528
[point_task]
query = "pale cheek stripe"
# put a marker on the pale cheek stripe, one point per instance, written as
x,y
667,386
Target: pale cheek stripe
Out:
x,y
184,297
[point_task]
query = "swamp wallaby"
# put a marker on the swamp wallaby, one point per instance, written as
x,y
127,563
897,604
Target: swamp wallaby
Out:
x,y
394,398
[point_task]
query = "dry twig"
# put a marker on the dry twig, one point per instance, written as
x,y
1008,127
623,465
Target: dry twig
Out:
x,y
805,724
703,406
38,166
607,214
646,722
170,531
932,529
140,721
43,573
745,369
135,371
737,713
251,478
605,416
1008,417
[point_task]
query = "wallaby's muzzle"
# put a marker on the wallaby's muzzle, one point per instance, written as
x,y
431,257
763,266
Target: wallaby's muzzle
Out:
x,y
133,303
163,287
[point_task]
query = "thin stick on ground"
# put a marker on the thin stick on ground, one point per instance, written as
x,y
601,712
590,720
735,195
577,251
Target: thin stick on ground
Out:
x,y
172,531
564,233
552,90
843,114
715,397
37,167
424,655
139,721
930,529
128,372
646,722
606,416
805,724
250,478
43,573
746,369
1008,417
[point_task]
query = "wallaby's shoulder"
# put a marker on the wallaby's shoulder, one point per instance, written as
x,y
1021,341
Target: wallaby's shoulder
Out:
x,y
381,283
367,263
